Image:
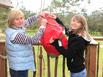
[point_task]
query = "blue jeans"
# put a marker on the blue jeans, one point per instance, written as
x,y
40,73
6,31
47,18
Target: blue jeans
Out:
x,y
82,73
15,73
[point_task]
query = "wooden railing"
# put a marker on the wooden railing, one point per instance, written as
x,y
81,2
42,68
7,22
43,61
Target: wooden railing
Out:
x,y
3,60
91,61
98,38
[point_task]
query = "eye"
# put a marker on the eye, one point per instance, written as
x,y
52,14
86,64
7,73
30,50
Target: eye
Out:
x,y
21,17
73,20
17,19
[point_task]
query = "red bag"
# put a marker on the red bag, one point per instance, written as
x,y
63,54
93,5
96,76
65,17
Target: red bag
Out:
x,y
55,31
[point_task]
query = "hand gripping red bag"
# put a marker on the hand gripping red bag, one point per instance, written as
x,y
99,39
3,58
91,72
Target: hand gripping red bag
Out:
x,y
53,30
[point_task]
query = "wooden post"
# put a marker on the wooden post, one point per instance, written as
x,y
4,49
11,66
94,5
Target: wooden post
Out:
x,y
63,66
3,60
48,60
56,67
91,60
34,73
41,57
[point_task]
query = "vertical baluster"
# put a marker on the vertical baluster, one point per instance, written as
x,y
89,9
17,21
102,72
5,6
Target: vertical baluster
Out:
x,y
87,58
102,69
48,60
56,63
34,73
98,59
40,56
63,67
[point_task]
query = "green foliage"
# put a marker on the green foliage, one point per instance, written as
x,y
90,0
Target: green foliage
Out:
x,y
27,15
95,21
60,6
3,17
62,9
93,33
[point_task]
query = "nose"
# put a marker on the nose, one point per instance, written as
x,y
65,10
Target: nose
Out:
x,y
20,20
73,23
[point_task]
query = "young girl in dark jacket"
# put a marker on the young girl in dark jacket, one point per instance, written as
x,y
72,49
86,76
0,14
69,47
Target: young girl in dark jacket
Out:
x,y
78,40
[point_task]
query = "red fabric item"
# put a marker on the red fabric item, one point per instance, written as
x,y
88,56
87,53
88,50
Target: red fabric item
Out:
x,y
55,31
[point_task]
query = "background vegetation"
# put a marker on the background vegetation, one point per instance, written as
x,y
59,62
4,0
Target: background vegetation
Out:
x,y
62,8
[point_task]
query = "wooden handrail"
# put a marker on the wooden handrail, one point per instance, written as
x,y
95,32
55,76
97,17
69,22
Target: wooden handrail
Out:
x,y
91,60
98,38
3,57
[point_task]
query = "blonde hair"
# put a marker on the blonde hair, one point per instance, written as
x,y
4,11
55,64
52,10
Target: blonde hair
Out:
x,y
13,14
84,26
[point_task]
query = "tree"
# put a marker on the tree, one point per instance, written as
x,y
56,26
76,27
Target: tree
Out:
x,y
28,14
65,9
3,17
95,21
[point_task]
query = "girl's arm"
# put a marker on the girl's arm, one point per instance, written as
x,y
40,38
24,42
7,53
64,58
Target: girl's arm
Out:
x,y
59,21
30,21
62,24
19,38
75,47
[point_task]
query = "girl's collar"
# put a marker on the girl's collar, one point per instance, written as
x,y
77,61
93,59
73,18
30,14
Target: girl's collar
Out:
x,y
16,28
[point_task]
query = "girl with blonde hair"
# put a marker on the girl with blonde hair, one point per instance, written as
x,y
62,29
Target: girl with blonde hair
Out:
x,y
19,44
78,40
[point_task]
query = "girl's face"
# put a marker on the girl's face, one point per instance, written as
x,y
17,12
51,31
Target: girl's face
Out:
x,y
75,24
19,21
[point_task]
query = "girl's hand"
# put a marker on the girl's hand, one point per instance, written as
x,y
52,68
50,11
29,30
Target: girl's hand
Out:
x,y
54,42
46,13
52,16
43,22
